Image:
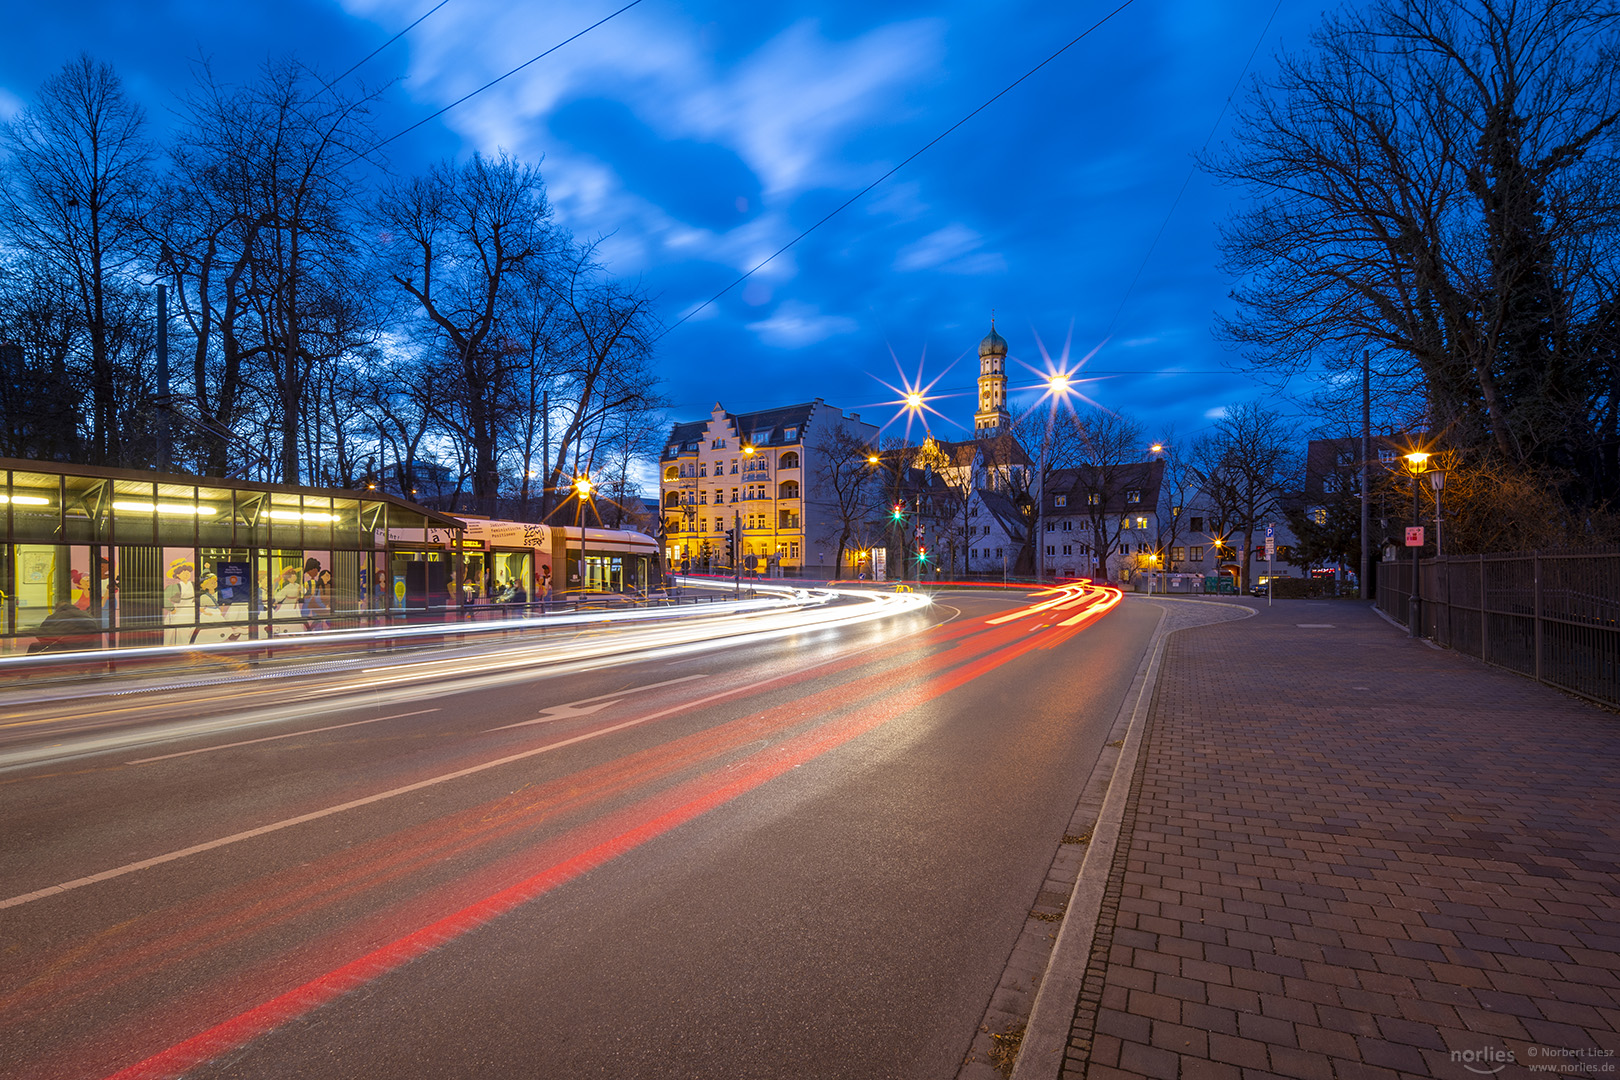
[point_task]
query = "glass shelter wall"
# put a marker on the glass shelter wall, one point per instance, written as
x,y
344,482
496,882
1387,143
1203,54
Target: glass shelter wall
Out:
x,y
96,557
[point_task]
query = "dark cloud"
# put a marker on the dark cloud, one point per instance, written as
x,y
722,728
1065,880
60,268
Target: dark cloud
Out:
x,y
699,138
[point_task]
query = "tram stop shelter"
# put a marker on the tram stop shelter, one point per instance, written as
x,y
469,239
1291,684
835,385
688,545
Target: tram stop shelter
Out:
x,y
128,558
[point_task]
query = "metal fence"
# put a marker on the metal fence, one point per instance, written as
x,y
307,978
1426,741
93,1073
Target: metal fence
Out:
x,y
1554,616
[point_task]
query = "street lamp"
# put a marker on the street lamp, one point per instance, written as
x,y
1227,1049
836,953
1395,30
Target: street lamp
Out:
x,y
1058,387
1416,464
582,492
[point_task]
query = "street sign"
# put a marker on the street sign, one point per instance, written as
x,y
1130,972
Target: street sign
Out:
x,y
880,563
1414,536
751,561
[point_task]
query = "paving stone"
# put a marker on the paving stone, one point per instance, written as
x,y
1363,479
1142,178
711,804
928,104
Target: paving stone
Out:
x,y
1347,855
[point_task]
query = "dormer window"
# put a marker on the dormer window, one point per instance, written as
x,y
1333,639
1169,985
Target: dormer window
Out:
x,y
1133,497
790,434
1060,500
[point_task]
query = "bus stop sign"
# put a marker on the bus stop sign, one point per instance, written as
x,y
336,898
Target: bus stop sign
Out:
x,y
1414,536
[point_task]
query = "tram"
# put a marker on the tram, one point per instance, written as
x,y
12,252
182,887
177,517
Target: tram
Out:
x,y
494,561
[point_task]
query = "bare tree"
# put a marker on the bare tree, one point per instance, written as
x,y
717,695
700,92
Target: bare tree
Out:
x,y
604,362
1437,181
844,471
77,170
1111,445
1243,469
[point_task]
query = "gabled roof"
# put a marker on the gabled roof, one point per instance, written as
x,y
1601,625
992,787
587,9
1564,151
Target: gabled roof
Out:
x,y
1111,483
767,427
1005,511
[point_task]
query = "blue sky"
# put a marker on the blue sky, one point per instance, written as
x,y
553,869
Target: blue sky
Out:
x,y
694,139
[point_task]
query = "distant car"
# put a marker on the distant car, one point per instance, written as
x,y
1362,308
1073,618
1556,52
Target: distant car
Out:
x,y
1262,589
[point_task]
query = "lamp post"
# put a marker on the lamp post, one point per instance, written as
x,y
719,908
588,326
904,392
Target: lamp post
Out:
x,y
1437,480
1057,387
1417,463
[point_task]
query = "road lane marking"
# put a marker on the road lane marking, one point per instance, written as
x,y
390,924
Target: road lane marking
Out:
x,y
596,704
560,712
354,804
273,738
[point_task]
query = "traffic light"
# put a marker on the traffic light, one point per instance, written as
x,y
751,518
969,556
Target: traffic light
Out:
x,y
731,546
922,554
899,511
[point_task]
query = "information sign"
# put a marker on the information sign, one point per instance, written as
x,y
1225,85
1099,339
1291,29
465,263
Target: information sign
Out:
x,y
1414,536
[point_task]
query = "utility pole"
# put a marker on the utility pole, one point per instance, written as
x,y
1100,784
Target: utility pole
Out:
x,y
1366,492
163,378
736,554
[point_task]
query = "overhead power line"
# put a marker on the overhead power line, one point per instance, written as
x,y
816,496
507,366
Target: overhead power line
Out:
x,y
361,62
501,78
925,147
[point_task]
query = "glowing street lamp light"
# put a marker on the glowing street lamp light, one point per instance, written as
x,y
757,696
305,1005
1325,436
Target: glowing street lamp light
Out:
x,y
582,492
1058,387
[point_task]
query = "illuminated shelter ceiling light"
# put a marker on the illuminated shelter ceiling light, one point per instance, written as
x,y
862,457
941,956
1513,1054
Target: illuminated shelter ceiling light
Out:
x,y
25,500
300,515
135,506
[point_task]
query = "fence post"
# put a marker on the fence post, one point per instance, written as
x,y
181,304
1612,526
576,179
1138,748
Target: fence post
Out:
x,y
1484,619
1536,575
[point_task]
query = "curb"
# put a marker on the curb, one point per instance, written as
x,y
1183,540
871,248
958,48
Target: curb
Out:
x,y
1046,1037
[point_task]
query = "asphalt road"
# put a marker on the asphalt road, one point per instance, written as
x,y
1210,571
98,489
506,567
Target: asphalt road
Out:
x,y
802,857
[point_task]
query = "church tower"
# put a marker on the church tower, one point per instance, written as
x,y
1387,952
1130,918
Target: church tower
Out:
x,y
992,417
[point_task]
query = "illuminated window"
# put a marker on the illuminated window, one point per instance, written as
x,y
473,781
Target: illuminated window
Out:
x,y
1141,523
1196,554
1319,515
1133,497
1060,500
1093,499
1178,554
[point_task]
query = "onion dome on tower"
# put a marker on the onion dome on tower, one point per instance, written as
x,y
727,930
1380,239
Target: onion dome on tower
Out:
x,y
992,416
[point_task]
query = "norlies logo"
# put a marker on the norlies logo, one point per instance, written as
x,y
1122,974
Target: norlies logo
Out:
x,y
1486,1062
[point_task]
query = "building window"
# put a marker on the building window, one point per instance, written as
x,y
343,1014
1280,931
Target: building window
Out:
x,y
1051,526
1068,549
1094,499
1050,550
703,497
793,549
1133,497
1319,515
1068,526
672,473
718,444
1197,524
790,434
998,553
789,460
1332,484
1196,554
1386,456
1060,500
987,530
1141,523
1178,554
788,489
733,468
703,468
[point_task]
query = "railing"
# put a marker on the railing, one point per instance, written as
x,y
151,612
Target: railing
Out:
x,y
1554,616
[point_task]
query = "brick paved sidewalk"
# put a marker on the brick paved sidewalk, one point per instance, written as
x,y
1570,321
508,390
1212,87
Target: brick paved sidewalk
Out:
x,y
1350,855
